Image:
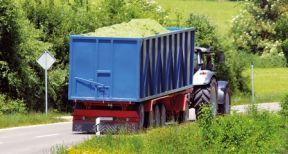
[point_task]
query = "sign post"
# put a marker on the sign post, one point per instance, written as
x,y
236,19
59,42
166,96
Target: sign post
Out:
x,y
45,61
252,83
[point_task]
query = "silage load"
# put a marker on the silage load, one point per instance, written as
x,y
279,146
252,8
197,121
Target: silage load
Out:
x,y
134,28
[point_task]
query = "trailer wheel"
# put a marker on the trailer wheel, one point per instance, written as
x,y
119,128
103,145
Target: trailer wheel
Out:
x,y
149,119
206,95
162,115
157,116
141,116
225,107
184,115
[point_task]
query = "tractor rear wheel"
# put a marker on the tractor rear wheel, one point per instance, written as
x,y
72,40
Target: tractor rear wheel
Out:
x,y
205,95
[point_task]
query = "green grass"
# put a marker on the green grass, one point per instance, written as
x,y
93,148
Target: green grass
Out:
x,y
270,85
220,12
256,132
15,120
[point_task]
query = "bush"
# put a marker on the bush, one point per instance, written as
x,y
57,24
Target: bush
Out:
x,y
255,133
284,107
205,124
261,27
8,106
205,32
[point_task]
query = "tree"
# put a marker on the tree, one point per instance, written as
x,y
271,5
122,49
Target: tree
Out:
x,y
19,48
255,28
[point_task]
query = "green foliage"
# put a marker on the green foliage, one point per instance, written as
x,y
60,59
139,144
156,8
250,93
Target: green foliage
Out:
x,y
255,132
205,32
205,124
19,47
254,29
284,107
8,106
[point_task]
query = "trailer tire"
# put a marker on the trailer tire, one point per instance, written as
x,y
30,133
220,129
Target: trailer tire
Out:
x,y
141,116
149,119
184,115
163,115
206,94
226,106
157,116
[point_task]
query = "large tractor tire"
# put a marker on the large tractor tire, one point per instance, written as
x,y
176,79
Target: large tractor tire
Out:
x,y
206,94
226,106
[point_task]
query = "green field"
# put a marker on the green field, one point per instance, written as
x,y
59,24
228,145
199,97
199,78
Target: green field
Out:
x,y
14,120
270,85
219,12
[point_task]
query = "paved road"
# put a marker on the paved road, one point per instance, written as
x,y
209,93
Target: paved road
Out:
x,y
271,107
38,139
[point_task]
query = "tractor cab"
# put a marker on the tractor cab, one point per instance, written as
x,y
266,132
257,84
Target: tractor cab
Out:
x,y
203,59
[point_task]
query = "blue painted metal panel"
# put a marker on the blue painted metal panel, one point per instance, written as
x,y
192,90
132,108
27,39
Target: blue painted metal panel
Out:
x,y
167,63
130,69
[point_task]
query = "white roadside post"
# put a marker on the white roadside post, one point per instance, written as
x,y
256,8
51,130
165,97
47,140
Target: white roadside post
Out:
x,y
252,83
45,61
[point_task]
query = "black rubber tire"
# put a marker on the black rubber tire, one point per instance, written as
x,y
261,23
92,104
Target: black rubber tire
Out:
x,y
156,116
149,119
163,115
226,106
184,115
202,95
141,114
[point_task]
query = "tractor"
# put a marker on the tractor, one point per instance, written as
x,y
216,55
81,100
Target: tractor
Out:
x,y
207,89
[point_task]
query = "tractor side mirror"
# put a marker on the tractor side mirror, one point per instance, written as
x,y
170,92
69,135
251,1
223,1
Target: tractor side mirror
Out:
x,y
220,58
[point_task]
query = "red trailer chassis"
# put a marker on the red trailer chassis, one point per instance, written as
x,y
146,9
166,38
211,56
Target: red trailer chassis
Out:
x,y
127,113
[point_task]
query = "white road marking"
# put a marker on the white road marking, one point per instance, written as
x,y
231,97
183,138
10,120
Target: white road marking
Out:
x,y
49,135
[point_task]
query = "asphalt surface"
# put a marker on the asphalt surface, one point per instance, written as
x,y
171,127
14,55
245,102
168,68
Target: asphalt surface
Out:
x,y
38,139
271,107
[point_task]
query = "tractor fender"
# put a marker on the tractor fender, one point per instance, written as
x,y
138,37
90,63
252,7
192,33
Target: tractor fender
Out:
x,y
222,88
202,77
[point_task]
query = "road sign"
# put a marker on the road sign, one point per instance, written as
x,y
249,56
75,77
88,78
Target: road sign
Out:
x,y
46,60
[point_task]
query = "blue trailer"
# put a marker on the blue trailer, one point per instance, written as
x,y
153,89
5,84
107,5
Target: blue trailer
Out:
x,y
142,82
